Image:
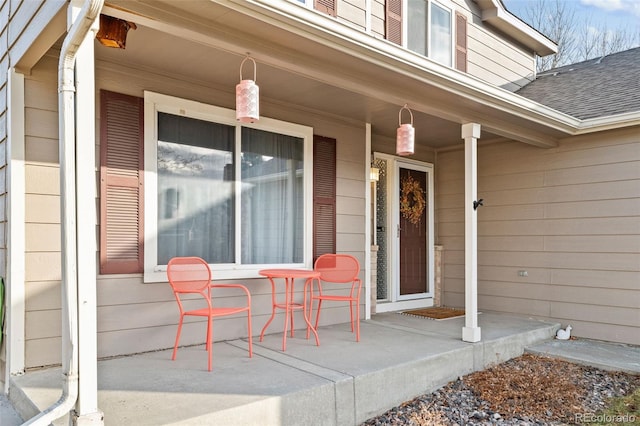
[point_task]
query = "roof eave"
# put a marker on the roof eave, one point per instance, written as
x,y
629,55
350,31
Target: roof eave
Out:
x,y
381,52
598,124
509,114
494,13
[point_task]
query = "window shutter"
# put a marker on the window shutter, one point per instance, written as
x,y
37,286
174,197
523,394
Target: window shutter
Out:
x,y
393,20
461,42
324,196
121,183
326,6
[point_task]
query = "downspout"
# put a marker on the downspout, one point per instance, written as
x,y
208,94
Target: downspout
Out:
x,y
66,110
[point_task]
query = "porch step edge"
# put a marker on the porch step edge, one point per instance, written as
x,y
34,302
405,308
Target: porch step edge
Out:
x,y
21,402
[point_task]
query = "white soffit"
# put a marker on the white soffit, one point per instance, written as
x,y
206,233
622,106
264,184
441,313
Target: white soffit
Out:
x,y
325,38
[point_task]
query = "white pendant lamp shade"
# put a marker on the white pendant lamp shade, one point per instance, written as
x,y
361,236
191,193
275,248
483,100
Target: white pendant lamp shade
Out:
x,y
247,97
405,136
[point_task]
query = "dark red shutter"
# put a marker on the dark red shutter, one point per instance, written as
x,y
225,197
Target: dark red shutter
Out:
x,y
461,42
121,183
393,21
324,196
326,6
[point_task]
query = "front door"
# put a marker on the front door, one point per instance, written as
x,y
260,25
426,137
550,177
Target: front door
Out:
x,y
413,233
403,233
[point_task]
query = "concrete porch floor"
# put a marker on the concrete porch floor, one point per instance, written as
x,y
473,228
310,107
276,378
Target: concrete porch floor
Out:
x,y
341,382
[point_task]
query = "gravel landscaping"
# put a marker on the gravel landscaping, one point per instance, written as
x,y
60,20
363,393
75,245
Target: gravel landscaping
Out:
x,y
528,390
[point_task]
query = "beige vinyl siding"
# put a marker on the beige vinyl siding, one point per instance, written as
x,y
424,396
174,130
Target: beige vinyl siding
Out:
x,y
352,12
27,20
377,18
133,316
42,217
495,60
4,155
569,216
21,11
491,56
22,22
350,203
4,65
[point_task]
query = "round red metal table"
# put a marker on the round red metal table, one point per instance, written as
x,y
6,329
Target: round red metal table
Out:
x,y
289,306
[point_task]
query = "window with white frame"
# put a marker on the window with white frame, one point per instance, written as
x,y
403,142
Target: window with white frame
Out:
x,y
230,193
429,30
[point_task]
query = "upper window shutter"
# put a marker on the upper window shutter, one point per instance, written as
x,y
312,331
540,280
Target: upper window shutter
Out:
x,y
461,42
324,196
326,6
121,183
393,21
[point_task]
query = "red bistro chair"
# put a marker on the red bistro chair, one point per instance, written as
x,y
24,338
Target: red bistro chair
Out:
x,y
337,269
191,275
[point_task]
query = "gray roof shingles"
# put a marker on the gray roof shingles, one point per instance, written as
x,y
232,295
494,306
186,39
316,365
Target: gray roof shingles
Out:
x,y
595,88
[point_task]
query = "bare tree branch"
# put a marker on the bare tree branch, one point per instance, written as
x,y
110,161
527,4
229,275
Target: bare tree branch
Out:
x,y
577,40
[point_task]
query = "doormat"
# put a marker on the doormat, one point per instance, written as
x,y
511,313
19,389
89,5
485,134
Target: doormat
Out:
x,y
436,313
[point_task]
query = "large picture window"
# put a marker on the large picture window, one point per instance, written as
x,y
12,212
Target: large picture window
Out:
x,y
272,198
235,195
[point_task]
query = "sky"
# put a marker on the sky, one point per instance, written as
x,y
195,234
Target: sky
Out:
x,y
615,14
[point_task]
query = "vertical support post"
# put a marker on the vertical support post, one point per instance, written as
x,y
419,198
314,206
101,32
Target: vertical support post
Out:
x,y
367,217
15,229
86,410
471,330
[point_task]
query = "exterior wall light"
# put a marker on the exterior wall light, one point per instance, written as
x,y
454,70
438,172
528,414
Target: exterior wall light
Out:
x,y
374,174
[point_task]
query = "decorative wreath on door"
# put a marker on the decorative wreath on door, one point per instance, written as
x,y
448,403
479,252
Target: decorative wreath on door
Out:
x,y
412,202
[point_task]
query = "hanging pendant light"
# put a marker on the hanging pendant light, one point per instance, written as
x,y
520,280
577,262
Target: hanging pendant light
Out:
x,y
113,31
247,97
405,136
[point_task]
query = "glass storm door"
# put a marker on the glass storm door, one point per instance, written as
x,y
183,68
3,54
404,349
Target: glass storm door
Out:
x,y
403,232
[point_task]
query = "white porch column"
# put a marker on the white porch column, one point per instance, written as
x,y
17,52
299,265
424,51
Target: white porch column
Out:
x,y
86,410
470,134
367,218
15,223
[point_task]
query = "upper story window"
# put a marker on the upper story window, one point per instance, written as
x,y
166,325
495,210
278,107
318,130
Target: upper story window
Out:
x,y
429,30
235,195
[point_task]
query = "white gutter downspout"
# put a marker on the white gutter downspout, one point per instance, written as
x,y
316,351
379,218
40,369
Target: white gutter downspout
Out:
x,y
66,110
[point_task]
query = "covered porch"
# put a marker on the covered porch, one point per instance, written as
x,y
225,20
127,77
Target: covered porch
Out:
x,y
341,382
353,97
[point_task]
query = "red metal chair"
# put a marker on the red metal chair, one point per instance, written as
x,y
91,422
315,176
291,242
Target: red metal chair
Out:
x,y
337,269
192,275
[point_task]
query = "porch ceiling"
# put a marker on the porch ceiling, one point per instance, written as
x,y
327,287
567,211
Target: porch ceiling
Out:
x,y
204,42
